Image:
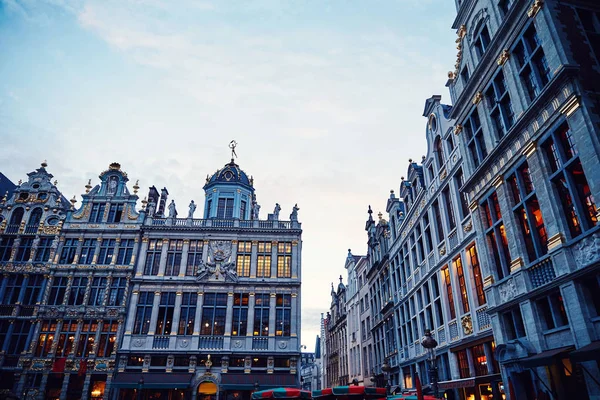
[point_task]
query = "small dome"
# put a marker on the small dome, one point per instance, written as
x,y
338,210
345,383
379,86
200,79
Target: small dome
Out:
x,y
229,174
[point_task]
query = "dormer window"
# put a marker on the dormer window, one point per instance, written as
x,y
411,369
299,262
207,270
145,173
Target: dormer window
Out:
x,y
225,208
23,196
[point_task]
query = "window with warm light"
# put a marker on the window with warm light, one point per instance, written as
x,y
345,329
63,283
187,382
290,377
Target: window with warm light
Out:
x,y
261,314
284,260
46,338
240,314
214,312
263,265
194,257
283,314
187,316
496,235
244,254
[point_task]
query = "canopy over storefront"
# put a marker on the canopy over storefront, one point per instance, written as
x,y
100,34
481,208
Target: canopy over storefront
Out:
x,y
281,393
152,380
351,392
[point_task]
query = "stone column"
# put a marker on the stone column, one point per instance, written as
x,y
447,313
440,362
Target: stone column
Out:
x,y
154,317
139,270
273,259
43,383
65,386
295,267
250,323
9,333
205,252
131,312
107,387
115,255
163,257
198,317
294,313
254,259
136,246
86,386
34,248
3,285
184,257
23,286
229,317
469,352
78,251
21,385
97,250
272,306
176,313
487,349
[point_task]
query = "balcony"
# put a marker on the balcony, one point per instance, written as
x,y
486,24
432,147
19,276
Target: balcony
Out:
x,y
161,342
260,343
12,229
541,273
211,343
223,223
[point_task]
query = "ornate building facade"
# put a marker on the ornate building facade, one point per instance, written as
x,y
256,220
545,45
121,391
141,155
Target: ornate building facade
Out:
x,y
336,337
527,105
215,303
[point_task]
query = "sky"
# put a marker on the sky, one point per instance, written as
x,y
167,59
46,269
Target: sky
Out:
x,y
325,99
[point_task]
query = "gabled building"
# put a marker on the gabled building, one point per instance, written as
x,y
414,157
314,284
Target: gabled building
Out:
x,y
31,219
355,266
337,338
215,301
526,105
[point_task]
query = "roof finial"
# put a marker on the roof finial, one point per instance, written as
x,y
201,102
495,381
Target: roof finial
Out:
x,y
44,164
232,146
88,187
136,187
380,215
341,278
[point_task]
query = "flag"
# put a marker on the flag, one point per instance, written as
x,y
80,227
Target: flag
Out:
x,y
418,387
59,364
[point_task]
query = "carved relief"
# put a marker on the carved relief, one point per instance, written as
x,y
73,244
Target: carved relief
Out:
x,y
507,290
467,324
587,250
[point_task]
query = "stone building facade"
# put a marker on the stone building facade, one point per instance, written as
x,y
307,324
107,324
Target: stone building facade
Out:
x,y
526,105
215,303
336,323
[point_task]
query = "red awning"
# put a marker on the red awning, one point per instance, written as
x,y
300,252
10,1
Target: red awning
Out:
x,y
281,393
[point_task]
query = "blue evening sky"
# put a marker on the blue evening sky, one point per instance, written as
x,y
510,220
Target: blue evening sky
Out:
x,y
324,98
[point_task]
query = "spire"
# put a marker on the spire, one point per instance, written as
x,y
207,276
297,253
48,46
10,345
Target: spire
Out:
x,y
341,278
370,213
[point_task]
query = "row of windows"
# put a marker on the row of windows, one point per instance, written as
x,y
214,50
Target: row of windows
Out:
x,y
82,339
97,288
571,187
25,248
115,212
106,252
195,253
213,314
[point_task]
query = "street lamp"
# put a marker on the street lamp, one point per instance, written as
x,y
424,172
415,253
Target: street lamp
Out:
x,y
430,344
385,368
256,386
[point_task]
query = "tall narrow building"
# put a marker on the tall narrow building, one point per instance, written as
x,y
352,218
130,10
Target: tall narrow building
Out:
x,y
215,303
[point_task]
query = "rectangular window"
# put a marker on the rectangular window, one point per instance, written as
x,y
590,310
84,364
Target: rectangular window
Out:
x,y
166,308
143,313
449,293
33,290
283,314
475,140
531,63
97,213
153,257
590,20
528,213
243,209
496,235
438,221
504,6
459,181
107,249
477,278
261,314
14,285
513,323
19,336
66,338
57,292
225,208
449,208
114,213
108,338
591,291
77,292
500,105
97,291
174,257
116,294
482,42
284,260
214,312
6,245
87,338
194,257
88,249
552,311
244,254
570,182
188,314
263,267
24,250
125,251
69,248
240,314
463,364
42,254
46,338
457,265
479,360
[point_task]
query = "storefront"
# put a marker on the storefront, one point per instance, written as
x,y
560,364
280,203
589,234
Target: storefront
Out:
x,y
153,386
489,387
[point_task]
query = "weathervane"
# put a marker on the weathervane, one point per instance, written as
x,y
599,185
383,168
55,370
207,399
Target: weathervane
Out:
x,y
232,146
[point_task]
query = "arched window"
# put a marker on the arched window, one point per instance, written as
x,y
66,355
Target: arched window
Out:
x,y
439,152
35,217
17,216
